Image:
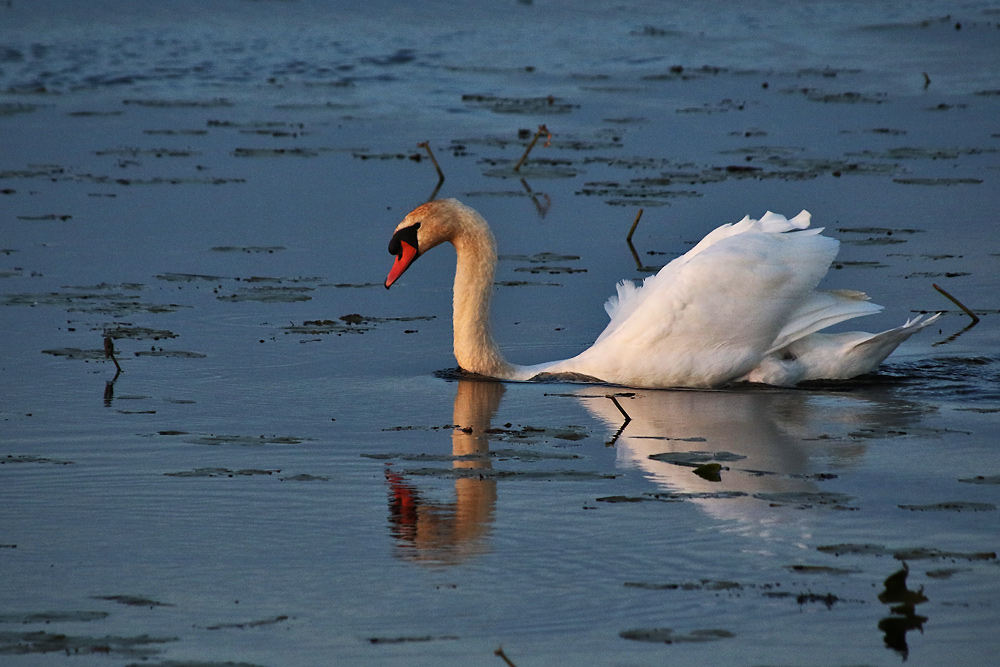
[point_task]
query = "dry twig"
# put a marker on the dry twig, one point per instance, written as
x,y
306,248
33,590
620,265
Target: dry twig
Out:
x,y
503,656
635,253
109,351
975,318
635,224
426,145
619,406
541,130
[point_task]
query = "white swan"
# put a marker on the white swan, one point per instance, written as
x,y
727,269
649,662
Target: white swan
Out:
x,y
739,306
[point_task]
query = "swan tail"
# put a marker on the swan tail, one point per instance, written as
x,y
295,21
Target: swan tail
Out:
x,y
844,359
833,356
874,351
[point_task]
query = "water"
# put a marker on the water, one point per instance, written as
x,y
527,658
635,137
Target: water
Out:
x,y
267,483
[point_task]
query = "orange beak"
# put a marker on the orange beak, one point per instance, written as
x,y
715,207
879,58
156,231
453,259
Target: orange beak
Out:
x,y
407,253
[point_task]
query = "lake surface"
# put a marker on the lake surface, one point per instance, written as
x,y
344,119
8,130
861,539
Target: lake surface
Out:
x,y
289,471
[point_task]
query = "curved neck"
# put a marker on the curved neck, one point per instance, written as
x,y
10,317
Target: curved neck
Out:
x,y
475,349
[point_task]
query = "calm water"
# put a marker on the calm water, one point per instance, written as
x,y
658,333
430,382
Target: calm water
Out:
x,y
271,482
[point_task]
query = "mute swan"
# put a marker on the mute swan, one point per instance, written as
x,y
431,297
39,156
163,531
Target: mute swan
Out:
x,y
739,306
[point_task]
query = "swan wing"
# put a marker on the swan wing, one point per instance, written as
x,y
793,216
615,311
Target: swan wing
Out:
x,y
630,296
821,310
710,315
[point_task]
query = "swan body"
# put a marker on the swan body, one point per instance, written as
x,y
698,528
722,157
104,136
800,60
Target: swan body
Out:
x,y
741,305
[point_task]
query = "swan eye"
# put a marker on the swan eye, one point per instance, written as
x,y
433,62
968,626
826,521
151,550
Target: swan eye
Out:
x,y
407,235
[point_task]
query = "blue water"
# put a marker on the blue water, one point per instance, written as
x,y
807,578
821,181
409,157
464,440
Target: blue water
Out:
x,y
214,184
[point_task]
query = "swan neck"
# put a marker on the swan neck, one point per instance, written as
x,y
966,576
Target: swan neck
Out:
x,y
475,349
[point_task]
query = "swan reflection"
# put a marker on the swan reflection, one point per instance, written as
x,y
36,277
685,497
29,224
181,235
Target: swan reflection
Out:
x,y
766,443
774,448
449,532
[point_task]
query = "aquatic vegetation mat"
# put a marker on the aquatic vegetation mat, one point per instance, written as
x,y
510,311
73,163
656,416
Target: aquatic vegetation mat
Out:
x,y
133,601
670,636
29,642
352,323
806,500
519,105
54,617
954,506
221,472
909,553
192,663
29,458
105,302
696,458
982,479
412,639
238,440
487,473
249,624
270,294
245,472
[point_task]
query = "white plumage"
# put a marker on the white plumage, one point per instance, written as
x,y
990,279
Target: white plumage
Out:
x,y
742,305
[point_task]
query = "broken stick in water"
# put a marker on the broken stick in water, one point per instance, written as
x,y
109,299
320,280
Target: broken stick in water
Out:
x,y
541,130
614,439
975,318
635,254
426,145
619,406
109,351
503,656
634,225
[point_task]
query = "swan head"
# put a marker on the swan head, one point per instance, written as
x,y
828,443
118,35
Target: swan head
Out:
x,y
423,228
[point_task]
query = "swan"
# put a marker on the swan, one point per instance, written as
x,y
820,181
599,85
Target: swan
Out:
x,y
741,306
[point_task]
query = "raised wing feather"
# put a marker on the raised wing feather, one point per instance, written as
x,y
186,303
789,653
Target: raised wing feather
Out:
x,y
724,302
